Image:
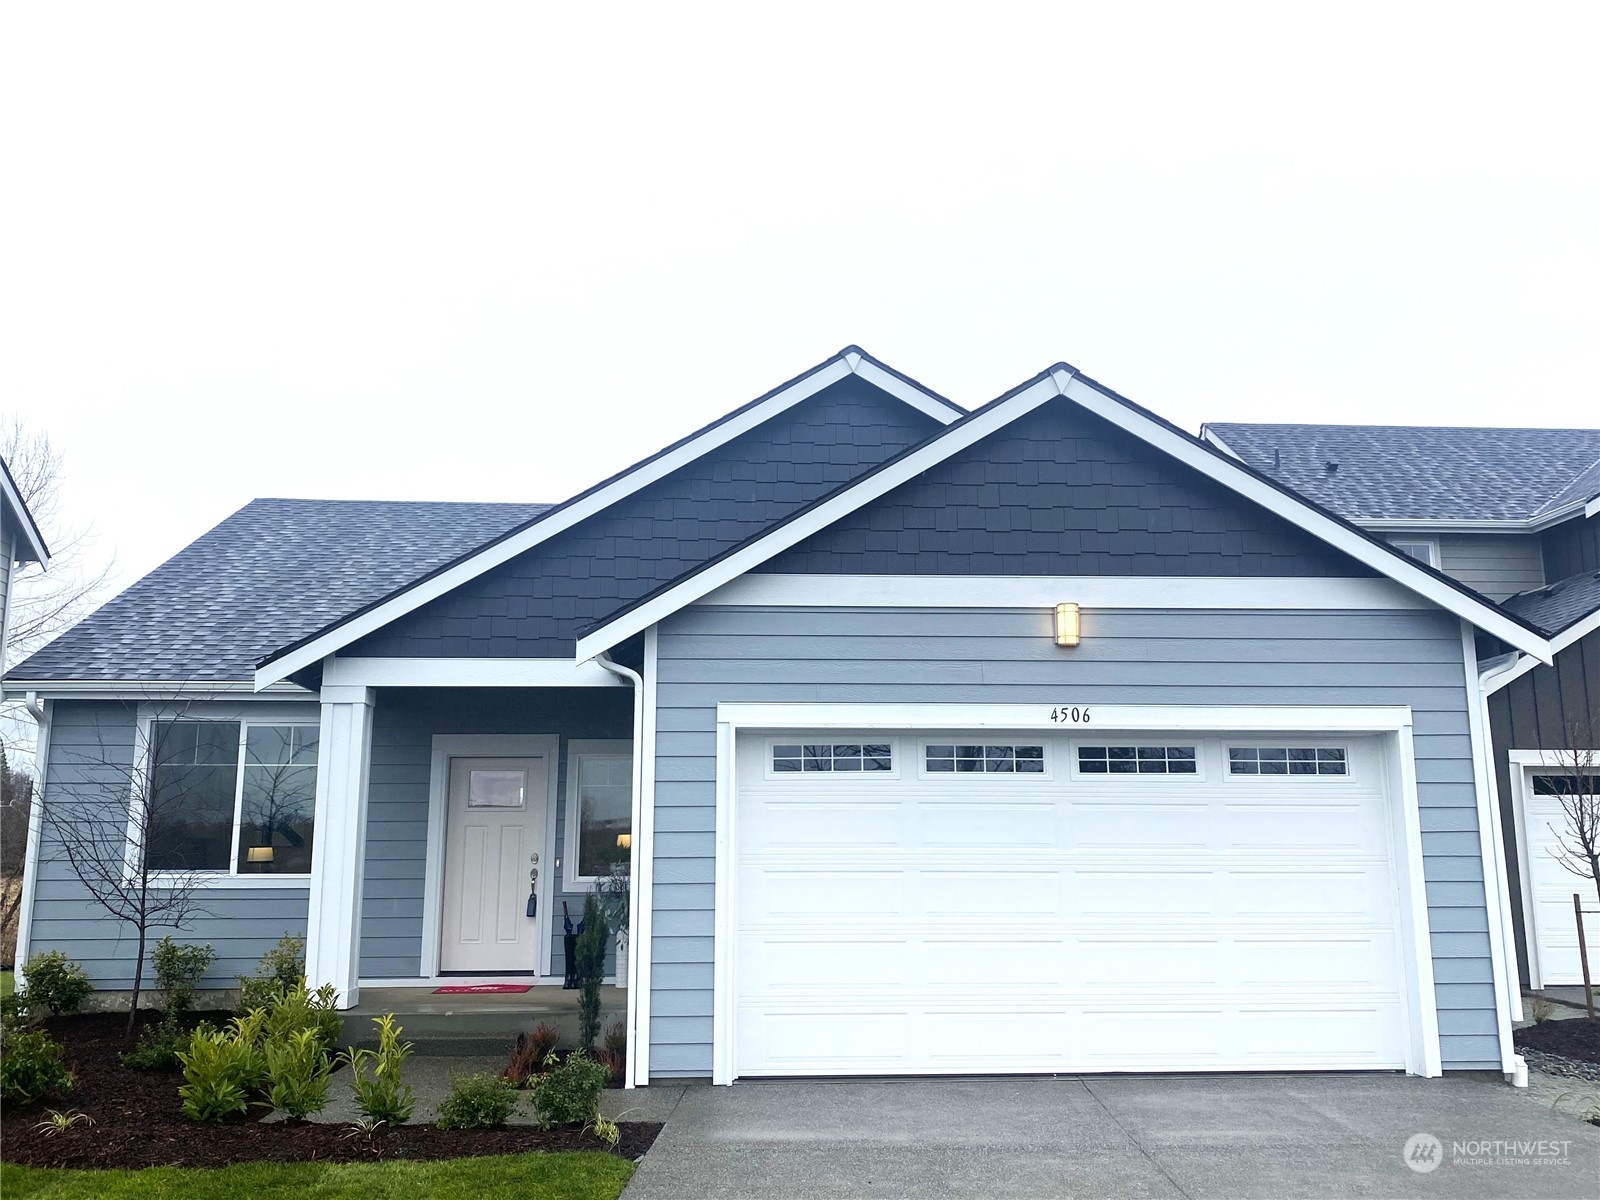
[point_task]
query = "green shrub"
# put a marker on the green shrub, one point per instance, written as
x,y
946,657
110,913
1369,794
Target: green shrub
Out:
x,y
157,1048
591,955
55,983
531,1054
13,1009
292,1009
383,1097
477,1102
570,1094
179,969
223,1069
297,1073
30,1066
282,967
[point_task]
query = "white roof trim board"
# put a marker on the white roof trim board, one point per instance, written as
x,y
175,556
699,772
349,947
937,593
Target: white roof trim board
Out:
x,y
37,551
283,664
1497,677
1064,381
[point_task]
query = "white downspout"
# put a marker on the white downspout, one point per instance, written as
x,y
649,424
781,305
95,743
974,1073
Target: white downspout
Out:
x,y
637,681
30,860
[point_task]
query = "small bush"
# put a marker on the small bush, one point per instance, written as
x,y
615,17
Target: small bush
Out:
x,y
383,1097
614,1053
55,983
179,969
292,1009
477,1102
531,1055
13,1009
157,1048
30,1066
297,1073
1540,1010
223,1069
591,955
284,966
570,1094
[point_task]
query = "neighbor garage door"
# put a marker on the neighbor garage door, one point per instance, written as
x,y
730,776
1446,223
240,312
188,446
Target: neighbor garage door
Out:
x,y
947,903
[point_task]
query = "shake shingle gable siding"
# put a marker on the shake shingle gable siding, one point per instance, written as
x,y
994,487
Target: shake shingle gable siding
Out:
x,y
533,605
1062,492
273,572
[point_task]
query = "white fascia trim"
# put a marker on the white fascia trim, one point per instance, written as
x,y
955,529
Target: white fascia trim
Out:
x,y
1531,524
1208,435
544,529
1045,591
465,672
1061,382
1256,718
1592,508
820,517
158,689
30,531
1493,680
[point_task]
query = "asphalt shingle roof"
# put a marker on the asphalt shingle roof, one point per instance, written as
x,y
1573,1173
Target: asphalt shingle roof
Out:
x,y
1557,606
1429,473
273,572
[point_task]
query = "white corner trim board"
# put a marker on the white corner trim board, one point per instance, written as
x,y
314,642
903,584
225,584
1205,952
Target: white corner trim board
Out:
x,y
630,481
465,672
1392,725
1046,591
641,919
1060,382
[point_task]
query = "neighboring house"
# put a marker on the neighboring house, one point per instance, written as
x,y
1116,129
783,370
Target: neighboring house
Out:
x,y
20,543
1514,513
1040,738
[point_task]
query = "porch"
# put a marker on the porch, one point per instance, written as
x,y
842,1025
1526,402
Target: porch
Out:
x,y
475,1023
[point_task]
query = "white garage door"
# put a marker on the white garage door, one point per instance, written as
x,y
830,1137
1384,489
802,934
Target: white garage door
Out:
x,y
1550,885
947,903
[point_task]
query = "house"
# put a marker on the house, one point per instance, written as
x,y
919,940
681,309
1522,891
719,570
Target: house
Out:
x,y
1042,737
1515,514
20,544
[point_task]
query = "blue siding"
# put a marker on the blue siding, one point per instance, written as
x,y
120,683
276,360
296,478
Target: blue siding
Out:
x,y
91,754
707,655
532,605
1063,492
403,726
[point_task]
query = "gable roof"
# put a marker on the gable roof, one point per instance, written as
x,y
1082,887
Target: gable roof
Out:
x,y
273,571
1510,478
1065,381
31,547
1556,607
352,624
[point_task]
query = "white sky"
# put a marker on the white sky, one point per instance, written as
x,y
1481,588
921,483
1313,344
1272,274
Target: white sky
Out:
x,y
467,252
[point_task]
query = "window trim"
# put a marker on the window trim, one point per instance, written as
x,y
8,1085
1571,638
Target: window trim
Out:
x,y
834,737
576,750
1229,747
235,714
1091,777
1047,756
1431,543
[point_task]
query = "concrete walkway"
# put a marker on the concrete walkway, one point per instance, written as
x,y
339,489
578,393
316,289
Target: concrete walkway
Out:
x,y
1192,1136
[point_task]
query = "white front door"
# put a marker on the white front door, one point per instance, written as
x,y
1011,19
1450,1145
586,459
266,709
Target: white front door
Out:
x,y
494,828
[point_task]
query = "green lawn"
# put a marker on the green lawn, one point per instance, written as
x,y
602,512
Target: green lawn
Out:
x,y
587,1176
8,983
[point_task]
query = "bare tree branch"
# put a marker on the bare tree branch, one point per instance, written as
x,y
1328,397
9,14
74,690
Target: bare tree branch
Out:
x,y
1577,787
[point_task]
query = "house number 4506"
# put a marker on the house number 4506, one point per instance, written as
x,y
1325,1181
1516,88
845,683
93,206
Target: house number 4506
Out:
x,y
1070,716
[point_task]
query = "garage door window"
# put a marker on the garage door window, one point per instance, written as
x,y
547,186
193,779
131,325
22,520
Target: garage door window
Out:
x,y
955,758
832,757
1136,760
1286,760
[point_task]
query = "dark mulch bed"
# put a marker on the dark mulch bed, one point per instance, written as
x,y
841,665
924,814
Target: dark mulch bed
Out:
x,y
1578,1037
137,1122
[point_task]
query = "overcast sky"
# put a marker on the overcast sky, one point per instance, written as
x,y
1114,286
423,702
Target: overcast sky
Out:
x,y
462,251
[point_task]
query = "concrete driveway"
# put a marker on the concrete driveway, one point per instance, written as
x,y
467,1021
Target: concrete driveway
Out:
x,y
1201,1136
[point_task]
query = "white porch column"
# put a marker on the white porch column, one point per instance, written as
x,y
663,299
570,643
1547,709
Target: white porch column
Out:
x,y
333,925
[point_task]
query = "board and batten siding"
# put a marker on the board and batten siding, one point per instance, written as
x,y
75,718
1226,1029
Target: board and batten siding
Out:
x,y
404,723
1498,566
708,655
90,756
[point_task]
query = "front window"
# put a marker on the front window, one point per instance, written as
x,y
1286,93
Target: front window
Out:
x,y
600,809
231,796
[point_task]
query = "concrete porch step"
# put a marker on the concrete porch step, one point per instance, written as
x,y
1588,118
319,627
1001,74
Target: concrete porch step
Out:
x,y
476,1024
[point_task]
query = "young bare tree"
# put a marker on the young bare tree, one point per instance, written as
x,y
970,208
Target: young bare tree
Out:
x,y
1577,786
139,826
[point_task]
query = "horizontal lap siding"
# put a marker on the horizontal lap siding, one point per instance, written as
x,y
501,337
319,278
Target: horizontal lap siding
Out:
x,y
713,654
91,753
403,727
1496,566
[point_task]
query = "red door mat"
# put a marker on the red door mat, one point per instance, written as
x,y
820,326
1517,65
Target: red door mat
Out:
x,y
482,989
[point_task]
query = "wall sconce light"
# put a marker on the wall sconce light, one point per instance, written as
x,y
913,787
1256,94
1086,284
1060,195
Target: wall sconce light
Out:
x,y
1067,624
260,854
624,841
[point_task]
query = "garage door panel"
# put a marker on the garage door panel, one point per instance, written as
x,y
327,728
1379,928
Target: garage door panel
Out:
x,y
992,923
